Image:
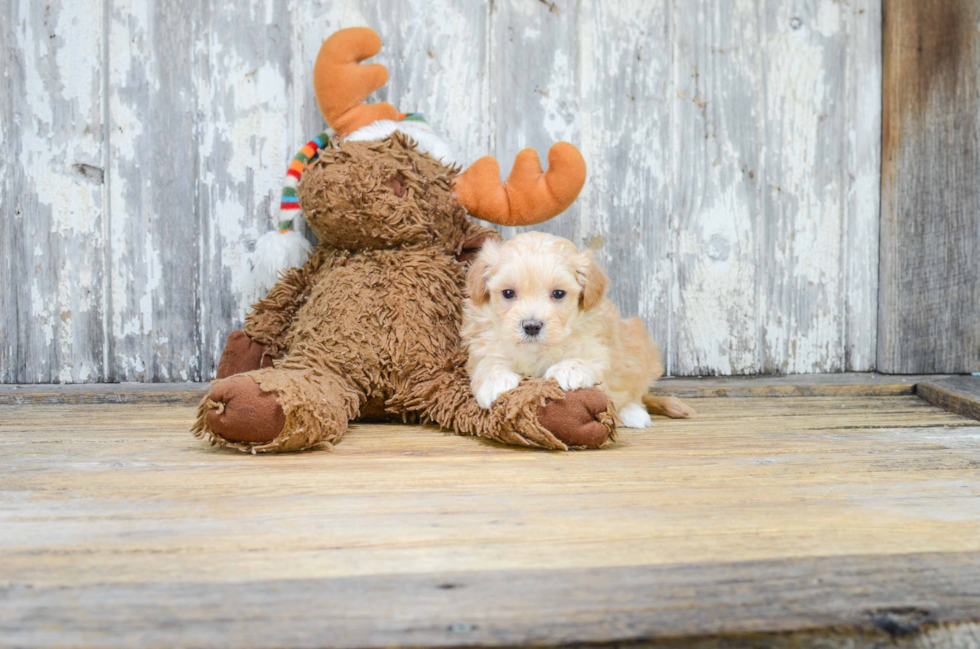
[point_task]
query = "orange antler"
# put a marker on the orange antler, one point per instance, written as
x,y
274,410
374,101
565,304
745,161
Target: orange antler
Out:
x,y
342,84
530,195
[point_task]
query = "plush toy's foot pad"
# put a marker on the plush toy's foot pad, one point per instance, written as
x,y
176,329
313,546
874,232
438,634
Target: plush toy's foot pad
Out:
x,y
242,412
241,354
580,419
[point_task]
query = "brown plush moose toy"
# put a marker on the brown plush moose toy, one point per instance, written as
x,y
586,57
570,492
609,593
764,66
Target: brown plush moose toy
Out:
x,y
369,326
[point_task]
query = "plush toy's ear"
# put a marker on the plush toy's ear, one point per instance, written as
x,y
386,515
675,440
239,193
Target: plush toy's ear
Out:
x,y
472,247
592,279
342,83
476,280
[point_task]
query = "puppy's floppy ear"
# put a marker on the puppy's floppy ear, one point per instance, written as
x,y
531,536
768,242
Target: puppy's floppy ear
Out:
x,y
592,279
479,273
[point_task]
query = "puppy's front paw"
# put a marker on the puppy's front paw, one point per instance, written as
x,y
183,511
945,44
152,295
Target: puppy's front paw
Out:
x,y
495,385
572,375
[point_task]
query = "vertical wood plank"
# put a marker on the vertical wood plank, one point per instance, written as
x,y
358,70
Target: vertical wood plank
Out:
x,y
625,126
9,345
929,299
51,243
718,138
800,255
156,233
863,181
243,89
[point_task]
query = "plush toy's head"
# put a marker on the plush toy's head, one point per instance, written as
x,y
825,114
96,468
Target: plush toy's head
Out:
x,y
381,194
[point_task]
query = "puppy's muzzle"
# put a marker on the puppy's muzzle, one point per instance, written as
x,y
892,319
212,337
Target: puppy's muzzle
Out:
x,y
532,327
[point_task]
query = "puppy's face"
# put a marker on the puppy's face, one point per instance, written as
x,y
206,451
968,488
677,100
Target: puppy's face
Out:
x,y
535,286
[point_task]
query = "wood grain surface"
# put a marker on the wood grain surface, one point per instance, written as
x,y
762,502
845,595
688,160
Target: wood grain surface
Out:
x,y
795,515
926,601
959,394
929,309
733,151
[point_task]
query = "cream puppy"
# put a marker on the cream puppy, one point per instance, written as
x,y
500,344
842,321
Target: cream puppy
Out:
x,y
536,308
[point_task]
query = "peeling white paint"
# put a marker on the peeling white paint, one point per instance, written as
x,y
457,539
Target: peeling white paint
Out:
x,y
36,82
800,111
42,314
130,59
863,168
58,210
78,54
828,22
558,107
720,286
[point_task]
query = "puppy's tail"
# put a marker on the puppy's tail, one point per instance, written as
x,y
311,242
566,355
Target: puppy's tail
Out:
x,y
668,406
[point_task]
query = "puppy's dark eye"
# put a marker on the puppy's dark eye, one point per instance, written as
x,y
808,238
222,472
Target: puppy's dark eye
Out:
x,y
508,294
559,294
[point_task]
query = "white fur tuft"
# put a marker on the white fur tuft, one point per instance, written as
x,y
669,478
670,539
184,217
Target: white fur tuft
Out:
x,y
275,252
635,416
423,135
495,385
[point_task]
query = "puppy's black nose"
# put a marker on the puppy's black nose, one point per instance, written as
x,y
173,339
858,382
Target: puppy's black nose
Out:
x,y
532,327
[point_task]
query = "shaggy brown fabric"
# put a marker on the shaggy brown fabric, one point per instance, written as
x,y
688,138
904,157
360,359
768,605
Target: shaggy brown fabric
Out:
x,y
242,354
272,316
373,318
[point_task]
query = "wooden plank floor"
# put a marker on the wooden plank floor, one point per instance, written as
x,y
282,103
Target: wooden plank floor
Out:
x,y
787,518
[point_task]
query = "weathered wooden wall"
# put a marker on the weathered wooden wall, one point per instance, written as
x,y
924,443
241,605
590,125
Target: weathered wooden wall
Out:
x,y
929,309
733,147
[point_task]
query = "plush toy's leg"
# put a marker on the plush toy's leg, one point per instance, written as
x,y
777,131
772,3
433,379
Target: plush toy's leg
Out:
x,y
536,413
242,354
277,410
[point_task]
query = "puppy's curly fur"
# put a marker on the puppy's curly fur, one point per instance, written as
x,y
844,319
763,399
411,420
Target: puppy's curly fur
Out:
x,y
536,309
